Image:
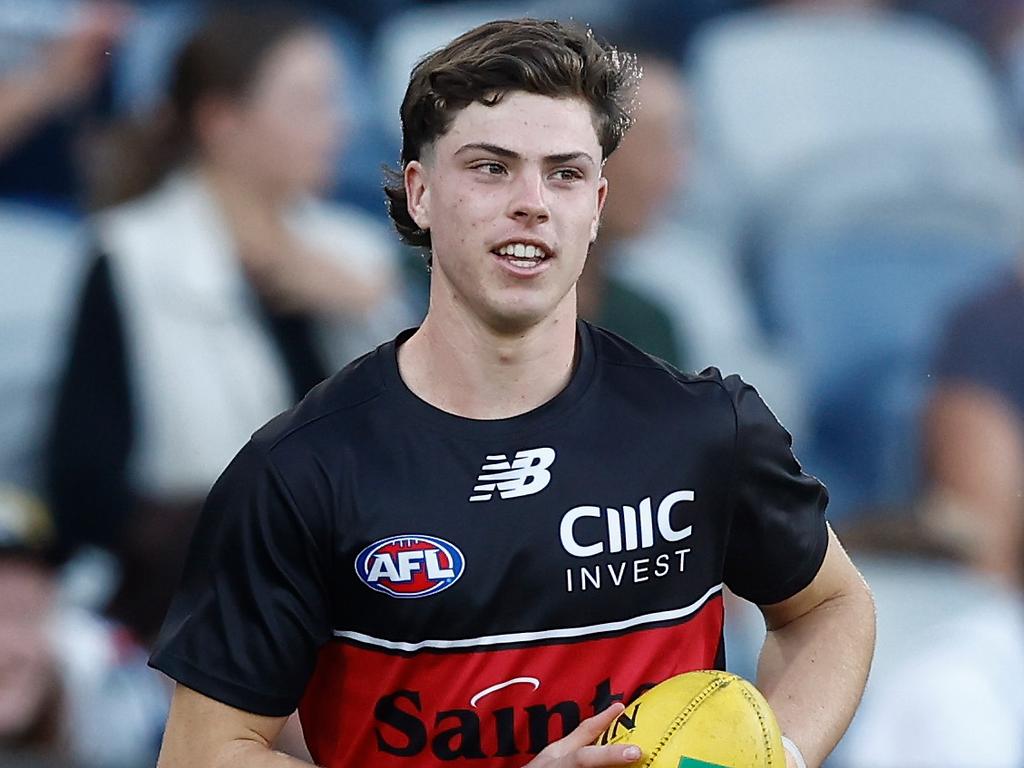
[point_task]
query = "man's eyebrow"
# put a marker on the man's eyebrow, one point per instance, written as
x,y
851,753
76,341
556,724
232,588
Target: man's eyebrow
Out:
x,y
494,149
568,157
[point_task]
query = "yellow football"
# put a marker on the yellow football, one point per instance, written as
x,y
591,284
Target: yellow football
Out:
x,y
706,719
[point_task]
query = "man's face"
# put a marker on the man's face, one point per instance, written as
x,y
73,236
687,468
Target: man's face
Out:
x,y
525,172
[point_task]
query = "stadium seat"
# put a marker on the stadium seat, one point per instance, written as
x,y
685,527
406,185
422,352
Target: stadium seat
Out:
x,y
777,90
861,259
865,163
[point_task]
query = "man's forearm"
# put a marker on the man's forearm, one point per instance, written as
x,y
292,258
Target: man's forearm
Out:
x,y
813,670
204,733
243,753
254,755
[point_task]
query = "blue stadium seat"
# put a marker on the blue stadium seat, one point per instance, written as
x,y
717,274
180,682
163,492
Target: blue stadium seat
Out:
x,y
861,259
777,90
866,162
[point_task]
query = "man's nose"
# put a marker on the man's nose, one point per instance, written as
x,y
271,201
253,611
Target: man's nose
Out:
x,y
529,200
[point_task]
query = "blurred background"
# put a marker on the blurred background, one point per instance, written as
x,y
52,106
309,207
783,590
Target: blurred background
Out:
x,y
825,196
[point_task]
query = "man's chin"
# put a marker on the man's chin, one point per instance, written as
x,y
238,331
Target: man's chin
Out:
x,y
518,318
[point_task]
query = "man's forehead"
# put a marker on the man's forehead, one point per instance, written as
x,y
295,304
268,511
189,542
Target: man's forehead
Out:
x,y
528,124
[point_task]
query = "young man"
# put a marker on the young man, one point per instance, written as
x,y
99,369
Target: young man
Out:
x,y
472,543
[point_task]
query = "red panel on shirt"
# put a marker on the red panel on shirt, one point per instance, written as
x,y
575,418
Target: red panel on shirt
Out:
x,y
494,707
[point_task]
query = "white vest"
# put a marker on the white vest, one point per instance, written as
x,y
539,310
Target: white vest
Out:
x,y
203,369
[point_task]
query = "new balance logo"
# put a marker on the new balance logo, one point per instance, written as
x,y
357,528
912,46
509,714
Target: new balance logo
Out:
x,y
526,474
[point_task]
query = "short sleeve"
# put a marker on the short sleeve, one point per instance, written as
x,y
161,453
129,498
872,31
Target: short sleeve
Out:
x,y
253,610
777,535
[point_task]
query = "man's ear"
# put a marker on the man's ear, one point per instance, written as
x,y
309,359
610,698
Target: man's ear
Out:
x,y
602,195
417,193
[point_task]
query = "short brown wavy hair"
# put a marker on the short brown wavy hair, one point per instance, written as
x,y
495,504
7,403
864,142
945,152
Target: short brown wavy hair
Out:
x,y
542,57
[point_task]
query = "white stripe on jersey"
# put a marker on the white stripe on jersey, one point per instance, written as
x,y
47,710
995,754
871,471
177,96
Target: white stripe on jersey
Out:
x,y
527,637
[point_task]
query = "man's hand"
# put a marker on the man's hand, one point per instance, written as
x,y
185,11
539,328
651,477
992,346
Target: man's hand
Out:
x,y
577,750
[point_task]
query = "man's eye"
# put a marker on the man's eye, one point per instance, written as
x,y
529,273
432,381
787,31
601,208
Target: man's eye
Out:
x,y
568,174
493,169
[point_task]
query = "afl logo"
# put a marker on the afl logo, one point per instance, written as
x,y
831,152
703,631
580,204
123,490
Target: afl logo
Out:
x,y
410,565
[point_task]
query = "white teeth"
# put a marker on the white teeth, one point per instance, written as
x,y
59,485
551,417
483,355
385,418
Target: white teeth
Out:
x,y
522,251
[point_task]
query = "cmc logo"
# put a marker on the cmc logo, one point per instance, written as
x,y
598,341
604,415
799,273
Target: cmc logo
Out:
x,y
627,530
410,565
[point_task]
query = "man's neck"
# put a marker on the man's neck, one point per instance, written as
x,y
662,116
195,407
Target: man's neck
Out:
x,y
462,366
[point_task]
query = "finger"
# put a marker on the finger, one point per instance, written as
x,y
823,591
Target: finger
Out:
x,y
588,731
615,754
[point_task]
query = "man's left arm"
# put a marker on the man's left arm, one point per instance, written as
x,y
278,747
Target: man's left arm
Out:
x,y
815,659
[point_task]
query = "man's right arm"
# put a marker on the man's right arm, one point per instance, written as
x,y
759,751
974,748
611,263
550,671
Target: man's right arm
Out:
x,y
203,733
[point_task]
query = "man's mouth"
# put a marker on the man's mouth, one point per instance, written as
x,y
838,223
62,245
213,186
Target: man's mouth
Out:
x,y
522,255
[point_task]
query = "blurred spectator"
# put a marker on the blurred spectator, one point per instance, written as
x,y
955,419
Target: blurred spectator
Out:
x,y
222,293
641,253
638,186
864,159
953,696
72,687
956,700
974,428
55,57
945,685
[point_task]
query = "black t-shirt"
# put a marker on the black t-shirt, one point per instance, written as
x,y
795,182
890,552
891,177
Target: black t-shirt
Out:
x,y
426,587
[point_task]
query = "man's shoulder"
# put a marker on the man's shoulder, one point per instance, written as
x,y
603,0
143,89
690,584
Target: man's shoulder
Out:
x,y
614,352
328,410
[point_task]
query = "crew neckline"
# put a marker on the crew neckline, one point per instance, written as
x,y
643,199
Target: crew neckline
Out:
x,y
451,423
